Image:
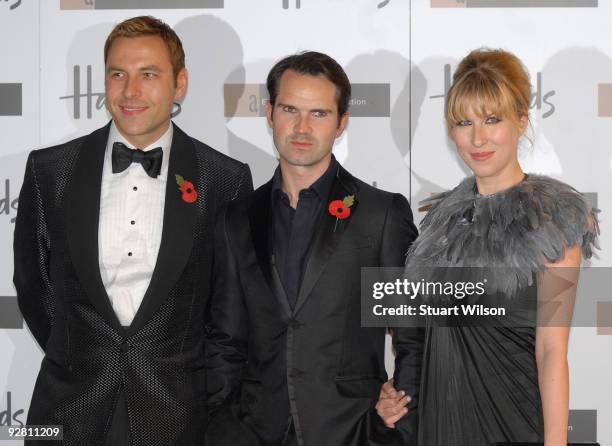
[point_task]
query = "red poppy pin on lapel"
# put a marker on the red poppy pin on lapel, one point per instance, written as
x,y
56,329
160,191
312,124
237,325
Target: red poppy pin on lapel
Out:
x,y
189,193
341,209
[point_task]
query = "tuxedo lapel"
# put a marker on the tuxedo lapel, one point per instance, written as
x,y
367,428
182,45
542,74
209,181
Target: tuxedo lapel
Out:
x,y
326,238
178,228
260,220
83,212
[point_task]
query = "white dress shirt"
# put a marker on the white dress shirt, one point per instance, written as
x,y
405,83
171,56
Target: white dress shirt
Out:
x,y
130,226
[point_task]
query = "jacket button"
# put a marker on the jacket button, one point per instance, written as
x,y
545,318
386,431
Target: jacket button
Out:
x,y
295,373
124,347
294,323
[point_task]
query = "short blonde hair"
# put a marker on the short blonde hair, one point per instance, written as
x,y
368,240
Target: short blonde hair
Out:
x,y
489,81
149,26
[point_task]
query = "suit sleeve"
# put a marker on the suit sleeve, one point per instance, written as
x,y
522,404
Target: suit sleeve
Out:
x,y
226,322
31,247
399,234
226,346
226,316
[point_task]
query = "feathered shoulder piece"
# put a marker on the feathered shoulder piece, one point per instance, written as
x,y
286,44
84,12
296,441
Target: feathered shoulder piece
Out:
x,y
519,228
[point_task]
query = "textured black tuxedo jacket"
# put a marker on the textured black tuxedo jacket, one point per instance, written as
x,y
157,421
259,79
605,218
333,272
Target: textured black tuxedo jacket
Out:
x,y
158,362
315,362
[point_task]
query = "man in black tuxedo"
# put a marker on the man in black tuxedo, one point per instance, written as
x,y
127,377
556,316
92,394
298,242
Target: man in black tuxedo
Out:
x,y
113,257
287,359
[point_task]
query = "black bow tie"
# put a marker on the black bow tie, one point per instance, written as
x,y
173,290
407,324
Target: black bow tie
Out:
x,y
123,156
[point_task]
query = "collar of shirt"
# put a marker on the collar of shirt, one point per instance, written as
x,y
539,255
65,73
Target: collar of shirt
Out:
x,y
321,187
164,141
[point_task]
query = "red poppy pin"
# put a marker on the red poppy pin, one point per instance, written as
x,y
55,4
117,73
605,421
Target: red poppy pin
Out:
x,y
189,193
341,209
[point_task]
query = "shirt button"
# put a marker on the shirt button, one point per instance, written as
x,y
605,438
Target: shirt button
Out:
x,y
130,254
133,222
134,188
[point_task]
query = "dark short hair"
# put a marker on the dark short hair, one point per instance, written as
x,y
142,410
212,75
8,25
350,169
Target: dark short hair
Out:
x,y
149,26
313,64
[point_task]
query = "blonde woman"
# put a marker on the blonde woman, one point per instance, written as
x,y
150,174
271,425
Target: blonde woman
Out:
x,y
508,381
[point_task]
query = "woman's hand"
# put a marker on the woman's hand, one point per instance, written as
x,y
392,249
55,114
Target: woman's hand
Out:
x,y
391,404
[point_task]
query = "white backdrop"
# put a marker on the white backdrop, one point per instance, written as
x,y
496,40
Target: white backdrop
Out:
x,y
400,55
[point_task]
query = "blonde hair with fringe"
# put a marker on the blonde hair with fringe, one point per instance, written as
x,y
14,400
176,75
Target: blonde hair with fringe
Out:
x,y
486,82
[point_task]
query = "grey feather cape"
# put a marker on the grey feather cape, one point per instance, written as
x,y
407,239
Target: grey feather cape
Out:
x,y
511,233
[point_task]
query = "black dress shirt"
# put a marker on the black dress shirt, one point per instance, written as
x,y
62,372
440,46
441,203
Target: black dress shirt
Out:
x,y
293,229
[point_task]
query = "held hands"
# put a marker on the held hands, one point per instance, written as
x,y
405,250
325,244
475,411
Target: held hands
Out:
x,y
391,404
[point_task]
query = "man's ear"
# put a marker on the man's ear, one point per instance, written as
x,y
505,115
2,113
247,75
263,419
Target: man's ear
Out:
x,y
342,124
269,111
182,80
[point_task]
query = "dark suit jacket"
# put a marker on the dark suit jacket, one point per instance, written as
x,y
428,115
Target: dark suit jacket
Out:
x,y
158,362
316,363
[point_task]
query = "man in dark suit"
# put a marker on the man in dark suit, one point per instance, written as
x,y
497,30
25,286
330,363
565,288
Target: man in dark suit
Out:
x,y
287,359
113,257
